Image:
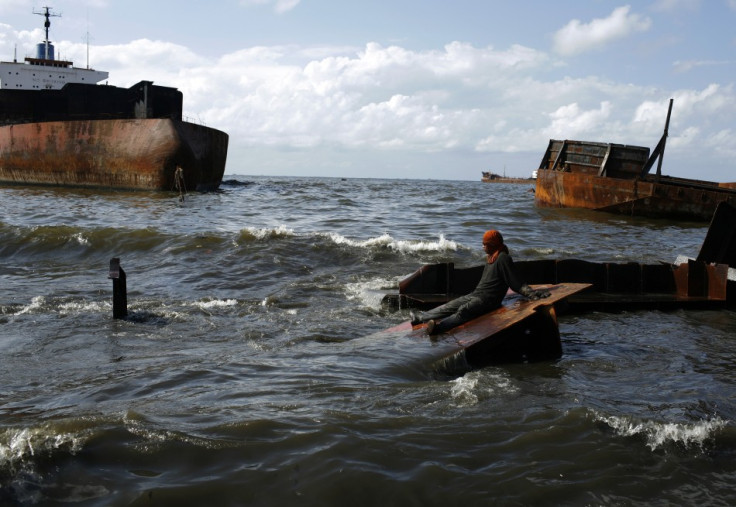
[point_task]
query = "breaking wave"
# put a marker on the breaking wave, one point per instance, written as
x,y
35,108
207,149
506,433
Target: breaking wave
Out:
x,y
388,242
370,292
18,447
660,434
476,385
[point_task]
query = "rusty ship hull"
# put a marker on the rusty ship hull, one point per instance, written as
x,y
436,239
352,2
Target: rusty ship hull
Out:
x,y
115,153
675,198
616,178
613,178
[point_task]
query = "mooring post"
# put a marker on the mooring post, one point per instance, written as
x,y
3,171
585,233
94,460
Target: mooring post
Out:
x,y
119,290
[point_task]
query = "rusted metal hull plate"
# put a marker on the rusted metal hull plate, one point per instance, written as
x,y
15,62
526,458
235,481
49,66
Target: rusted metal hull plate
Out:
x,y
667,198
129,154
519,330
614,285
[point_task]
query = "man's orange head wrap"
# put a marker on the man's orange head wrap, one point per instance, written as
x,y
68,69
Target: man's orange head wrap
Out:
x,y
493,238
494,241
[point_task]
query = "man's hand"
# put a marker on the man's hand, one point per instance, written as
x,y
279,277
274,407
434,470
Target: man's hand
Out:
x,y
533,294
539,294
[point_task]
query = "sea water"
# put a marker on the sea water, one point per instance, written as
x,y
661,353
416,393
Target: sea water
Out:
x,y
243,376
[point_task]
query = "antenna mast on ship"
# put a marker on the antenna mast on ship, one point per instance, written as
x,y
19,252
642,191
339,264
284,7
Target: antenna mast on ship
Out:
x,y
86,39
47,24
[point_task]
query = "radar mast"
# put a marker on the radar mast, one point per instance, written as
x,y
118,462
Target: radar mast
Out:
x,y
47,24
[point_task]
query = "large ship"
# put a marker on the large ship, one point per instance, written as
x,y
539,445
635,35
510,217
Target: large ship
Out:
x,y
58,126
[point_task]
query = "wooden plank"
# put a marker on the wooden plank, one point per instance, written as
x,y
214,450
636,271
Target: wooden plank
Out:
x,y
482,329
604,164
487,325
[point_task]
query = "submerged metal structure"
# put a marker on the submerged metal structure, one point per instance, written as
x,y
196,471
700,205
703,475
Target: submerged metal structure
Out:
x,y
708,281
614,286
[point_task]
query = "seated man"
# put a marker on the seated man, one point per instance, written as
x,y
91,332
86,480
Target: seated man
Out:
x,y
498,275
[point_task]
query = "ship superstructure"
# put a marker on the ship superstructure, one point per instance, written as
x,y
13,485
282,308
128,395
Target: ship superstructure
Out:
x,y
45,72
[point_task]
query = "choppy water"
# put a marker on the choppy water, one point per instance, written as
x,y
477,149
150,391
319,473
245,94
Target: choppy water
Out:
x,y
243,378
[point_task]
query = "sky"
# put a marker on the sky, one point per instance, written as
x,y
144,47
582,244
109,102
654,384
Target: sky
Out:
x,y
417,89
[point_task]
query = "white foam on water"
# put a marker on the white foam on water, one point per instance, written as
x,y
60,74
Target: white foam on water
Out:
x,y
18,446
658,434
370,292
387,241
477,384
215,303
36,303
79,237
83,307
271,232
463,389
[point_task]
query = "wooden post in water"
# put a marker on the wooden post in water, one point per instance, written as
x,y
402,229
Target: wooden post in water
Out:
x,y
119,290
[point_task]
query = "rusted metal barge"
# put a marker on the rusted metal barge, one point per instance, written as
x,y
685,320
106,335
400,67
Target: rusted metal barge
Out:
x,y
57,127
616,178
708,281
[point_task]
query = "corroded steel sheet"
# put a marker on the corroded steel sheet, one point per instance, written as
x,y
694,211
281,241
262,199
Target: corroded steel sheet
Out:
x,y
613,285
667,198
521,326
120,153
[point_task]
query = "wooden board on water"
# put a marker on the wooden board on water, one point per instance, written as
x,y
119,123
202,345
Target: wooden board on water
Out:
x,y
480,329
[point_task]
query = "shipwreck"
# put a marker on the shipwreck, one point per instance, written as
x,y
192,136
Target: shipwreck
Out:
x,y
617,178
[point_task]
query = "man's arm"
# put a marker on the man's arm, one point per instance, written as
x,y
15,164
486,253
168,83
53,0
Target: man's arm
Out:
x,y
514,280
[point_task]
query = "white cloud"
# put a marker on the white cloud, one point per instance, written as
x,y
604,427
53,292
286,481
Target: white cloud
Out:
x,y
571,121
392,99
577,37
393,103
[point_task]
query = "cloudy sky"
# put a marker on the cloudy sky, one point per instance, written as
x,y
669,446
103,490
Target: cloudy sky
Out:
x,y
418,88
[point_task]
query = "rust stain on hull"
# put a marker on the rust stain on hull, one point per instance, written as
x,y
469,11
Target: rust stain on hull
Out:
x,y
683,199
608,177
119,153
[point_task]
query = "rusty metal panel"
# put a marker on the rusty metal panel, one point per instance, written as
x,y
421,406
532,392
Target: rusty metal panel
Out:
x,y
135,154
667,199
717,281
681,280
696,279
